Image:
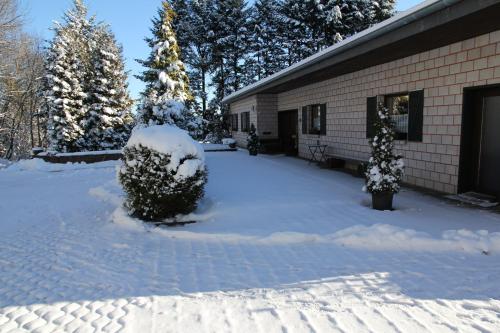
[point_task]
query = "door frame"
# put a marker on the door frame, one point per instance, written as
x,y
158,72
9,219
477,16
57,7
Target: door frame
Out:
x,y
296,111
471,135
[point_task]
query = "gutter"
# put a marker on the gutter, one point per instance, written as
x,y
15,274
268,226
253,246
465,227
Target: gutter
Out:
x,y
411,15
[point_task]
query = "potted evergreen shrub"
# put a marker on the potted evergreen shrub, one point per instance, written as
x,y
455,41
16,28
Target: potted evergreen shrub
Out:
x,y
253,141
385,169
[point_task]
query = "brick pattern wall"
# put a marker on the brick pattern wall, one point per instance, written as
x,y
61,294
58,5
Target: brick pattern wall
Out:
x,y
443,74
245,105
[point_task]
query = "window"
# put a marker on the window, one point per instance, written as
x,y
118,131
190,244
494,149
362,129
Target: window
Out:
x,y
314,119
407,113
234,122
245,121
398,106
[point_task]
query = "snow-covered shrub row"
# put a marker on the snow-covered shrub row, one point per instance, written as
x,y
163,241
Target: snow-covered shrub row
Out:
x,y
163,173
385,169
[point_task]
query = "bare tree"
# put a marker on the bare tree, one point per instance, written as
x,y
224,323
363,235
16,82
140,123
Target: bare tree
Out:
x,y
21,69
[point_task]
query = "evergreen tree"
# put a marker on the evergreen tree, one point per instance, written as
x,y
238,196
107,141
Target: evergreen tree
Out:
x,y
190,25
199,55
181,24
230,37
268,45
109,119
385,169
85,86
63,94
64,82
317,24
216,124
384,9
299,43
167,98
253,143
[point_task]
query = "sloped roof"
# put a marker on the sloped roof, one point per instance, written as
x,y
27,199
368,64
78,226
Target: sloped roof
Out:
x,y
327,57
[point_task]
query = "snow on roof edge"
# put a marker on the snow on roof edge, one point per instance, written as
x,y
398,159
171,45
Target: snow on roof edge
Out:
x,y
339,46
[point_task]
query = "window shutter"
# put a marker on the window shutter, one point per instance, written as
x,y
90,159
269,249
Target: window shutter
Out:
x,y
304,120
235,121
371,116
416,116
323,119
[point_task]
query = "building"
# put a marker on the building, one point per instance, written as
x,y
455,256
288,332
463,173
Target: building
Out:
x,y
436,66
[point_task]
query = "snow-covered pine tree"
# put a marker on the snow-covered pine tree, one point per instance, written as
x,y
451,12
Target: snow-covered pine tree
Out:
x,y
267,43
81,29
383,9
299,43
253,142
385,169
181,24
167,98
230,36
198,54
109,120
216,126
317,24
66,80
63,91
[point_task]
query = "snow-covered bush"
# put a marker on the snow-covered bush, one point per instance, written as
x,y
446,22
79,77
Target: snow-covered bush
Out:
x,y
385,169
163,173
230,142
253,143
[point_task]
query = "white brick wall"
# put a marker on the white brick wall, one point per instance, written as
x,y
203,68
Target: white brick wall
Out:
x,y
443,73
245,105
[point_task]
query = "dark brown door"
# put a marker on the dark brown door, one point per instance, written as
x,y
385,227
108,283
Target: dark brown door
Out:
x,y
488,179
288,131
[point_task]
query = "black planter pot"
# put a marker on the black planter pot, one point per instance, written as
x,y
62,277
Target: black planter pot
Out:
x,y
382,200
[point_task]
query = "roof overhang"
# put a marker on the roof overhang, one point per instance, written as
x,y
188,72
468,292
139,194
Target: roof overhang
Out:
x,y
432,24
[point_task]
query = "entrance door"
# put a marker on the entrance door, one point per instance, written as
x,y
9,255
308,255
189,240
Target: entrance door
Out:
x,y
288,131
488,180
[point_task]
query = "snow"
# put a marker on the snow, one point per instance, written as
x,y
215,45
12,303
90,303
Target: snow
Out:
x,y
168,140
83,153
216,147
228,141
40,165
4,163
279,246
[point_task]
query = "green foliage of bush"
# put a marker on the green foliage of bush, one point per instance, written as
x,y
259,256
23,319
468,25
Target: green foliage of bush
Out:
x,y
155,189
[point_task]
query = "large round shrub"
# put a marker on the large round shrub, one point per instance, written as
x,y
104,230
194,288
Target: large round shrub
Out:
x,y
163,173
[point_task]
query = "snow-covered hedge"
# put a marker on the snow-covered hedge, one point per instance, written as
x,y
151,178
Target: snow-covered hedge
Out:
x,y
385,169
163,173
228,141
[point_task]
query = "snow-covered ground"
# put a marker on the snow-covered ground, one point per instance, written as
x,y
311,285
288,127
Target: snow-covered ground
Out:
x,y
280,247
